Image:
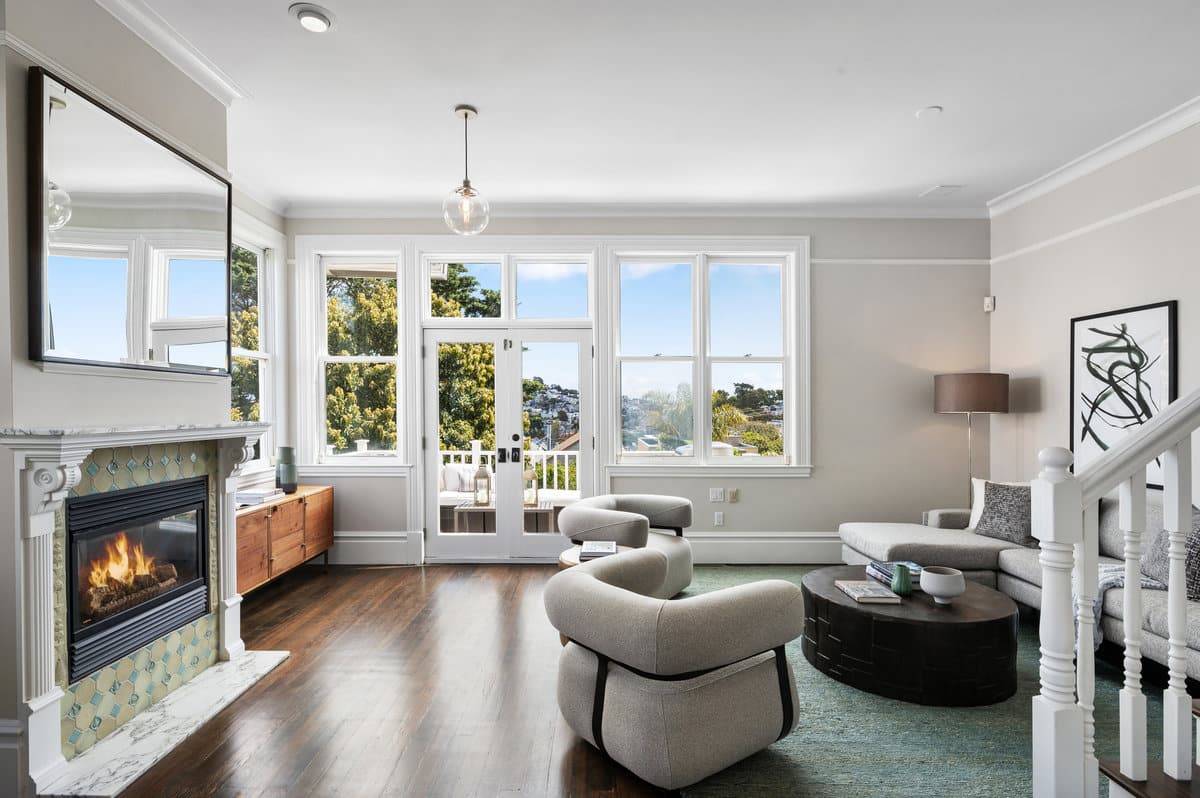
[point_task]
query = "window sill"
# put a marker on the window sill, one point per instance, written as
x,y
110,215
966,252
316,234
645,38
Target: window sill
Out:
x,y
774,471
129,372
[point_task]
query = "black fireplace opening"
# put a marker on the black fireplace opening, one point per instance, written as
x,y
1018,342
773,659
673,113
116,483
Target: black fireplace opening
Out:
x,y
137,568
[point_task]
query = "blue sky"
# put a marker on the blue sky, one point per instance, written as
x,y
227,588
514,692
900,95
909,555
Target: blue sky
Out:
x,y
196,287
87,301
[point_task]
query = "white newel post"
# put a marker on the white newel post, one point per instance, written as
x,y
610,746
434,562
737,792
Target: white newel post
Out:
x,y
1058,770
1177,523
1133,701
234,452
1086,582
46,479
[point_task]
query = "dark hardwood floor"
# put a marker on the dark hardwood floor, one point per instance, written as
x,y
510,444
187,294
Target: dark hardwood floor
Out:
x,y
434,681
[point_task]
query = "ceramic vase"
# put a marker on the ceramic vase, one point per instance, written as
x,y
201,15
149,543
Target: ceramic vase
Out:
x,y
901,580
285,469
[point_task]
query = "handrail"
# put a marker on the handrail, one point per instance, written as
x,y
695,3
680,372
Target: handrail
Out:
x,y
1136,450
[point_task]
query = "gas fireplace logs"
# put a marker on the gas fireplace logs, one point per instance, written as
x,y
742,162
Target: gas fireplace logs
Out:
x,y
124,578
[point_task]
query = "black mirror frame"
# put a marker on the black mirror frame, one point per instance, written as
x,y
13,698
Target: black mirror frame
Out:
x,y
37,231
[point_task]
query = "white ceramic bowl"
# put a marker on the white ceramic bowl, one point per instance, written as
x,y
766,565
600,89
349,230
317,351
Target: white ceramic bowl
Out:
x,y
942,583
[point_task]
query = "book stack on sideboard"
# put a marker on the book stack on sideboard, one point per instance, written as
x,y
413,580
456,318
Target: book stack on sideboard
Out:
x,y
282,533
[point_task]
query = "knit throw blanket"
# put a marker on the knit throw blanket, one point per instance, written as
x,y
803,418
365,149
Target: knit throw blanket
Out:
x,y
1111,576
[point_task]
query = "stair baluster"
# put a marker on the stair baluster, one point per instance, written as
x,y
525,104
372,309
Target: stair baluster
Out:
x,y
1177,522
1133,701
1086,578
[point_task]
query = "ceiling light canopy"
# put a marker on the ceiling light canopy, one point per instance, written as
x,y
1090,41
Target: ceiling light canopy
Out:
x,y
312,18
465,211
929,112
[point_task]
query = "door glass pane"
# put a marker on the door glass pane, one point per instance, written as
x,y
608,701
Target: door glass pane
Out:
x,y
196,287
360,408
466,437
552,290
656,409
747,409
85,300
464,290
656,308
361,312
550,414
739,293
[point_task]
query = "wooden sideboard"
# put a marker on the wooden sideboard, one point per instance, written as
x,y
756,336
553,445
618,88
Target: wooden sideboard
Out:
x,y
276,536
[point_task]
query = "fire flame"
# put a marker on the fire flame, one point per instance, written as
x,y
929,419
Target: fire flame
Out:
x,y
122,563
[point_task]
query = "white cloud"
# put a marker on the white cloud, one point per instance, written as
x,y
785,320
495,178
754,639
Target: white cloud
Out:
x,y
636,271
551,271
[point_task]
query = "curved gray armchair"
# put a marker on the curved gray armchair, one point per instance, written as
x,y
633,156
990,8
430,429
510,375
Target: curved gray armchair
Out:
x,y
626,518
673,690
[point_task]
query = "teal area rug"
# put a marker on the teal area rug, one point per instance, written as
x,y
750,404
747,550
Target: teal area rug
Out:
x,y
851,744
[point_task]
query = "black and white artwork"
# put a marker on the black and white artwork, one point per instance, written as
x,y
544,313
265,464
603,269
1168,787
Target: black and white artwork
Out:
x,y
1123,373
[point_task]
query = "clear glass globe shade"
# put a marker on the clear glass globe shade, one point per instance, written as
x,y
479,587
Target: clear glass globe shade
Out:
x,y
466,212
58,207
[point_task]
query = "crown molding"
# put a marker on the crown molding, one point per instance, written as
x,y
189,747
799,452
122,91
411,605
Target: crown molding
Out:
x,y
614,210
155,31
1179,118
28,51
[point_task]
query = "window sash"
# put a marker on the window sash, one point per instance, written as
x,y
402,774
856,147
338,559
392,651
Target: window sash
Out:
x,y
703,359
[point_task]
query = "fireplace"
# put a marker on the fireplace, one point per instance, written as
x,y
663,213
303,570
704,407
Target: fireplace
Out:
x,y
137,568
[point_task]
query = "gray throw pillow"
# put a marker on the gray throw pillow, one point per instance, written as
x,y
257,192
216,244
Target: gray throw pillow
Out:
x,y
1006,514
1156,562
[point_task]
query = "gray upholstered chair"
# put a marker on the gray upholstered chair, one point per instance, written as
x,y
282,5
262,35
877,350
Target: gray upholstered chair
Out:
x,y
673,690
637,520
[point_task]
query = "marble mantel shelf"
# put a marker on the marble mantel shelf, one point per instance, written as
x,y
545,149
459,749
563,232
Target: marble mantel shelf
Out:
x,y
104,437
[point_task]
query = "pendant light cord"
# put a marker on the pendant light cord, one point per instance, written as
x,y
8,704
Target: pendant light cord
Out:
x,y
466,173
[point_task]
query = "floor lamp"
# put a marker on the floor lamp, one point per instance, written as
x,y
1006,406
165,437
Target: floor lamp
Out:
x,y
977,392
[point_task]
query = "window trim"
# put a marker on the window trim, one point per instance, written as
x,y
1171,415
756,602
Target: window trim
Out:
x,y
793,254
270,245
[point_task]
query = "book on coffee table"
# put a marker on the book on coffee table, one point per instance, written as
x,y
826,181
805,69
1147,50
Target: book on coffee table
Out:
x,y
866,591
883,571
591,549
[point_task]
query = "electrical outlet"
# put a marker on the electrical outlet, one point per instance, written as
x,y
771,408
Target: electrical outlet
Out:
x,y
716,494
733,495
718,519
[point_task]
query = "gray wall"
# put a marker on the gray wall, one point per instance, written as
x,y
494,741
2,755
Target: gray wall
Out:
x,y
111,58
879,333
1121,236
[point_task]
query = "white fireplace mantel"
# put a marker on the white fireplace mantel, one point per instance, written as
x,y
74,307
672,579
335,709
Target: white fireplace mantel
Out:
x,y
37,471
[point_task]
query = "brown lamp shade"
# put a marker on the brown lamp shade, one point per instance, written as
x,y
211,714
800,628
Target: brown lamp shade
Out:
x,y
979,392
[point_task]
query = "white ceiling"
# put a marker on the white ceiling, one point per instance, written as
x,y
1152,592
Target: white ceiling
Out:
x,y
783,104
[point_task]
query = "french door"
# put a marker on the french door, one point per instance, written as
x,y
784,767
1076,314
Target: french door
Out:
x,y
508,439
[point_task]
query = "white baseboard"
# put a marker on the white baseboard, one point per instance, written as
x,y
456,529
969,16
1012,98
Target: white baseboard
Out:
x,y
784,548
375,548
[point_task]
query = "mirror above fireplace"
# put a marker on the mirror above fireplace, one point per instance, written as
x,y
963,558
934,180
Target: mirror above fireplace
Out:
x,y
129,241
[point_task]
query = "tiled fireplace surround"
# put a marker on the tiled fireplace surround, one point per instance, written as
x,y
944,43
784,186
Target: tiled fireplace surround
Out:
x,y
55,720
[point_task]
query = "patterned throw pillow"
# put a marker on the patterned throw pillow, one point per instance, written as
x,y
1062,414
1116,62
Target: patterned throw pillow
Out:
x,y
1156,562
1006,514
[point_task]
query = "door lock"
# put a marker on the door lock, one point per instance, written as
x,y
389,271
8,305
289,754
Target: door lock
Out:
x,y
501,455
515,454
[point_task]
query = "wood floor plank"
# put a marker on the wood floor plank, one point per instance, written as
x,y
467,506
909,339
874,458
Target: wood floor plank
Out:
x,y
403,681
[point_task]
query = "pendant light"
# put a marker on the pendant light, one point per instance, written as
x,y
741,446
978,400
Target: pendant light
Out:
x,y
58,201
466,211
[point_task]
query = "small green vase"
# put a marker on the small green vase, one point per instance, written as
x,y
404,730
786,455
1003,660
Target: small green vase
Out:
x,y
901,580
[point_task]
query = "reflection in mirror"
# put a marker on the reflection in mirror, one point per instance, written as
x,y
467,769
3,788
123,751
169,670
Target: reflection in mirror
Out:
x,y
132,267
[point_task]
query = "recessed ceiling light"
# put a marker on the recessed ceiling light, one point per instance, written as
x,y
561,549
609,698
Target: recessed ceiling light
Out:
x,y
940,190
312,18
929,112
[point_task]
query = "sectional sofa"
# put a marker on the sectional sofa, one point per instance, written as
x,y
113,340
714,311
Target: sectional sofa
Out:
x,y
945,539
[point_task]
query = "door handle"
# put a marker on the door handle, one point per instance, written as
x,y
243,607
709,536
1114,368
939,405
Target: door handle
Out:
x,y
502,455
515,454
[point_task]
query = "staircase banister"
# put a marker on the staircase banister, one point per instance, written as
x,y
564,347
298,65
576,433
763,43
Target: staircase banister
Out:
x,y
1179,419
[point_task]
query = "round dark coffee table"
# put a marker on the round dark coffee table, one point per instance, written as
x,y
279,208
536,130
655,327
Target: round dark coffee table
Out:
x,y
958,655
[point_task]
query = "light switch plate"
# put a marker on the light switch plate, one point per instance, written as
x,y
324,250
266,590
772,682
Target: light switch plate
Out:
x,y
733,495
716,494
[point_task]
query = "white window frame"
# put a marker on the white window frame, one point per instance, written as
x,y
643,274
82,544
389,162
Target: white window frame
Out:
x,y
793,255
263,356
165,331
81,243
508,261
384,267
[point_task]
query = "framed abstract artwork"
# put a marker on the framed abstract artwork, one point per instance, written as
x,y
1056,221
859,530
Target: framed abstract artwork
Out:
x,y
1123,373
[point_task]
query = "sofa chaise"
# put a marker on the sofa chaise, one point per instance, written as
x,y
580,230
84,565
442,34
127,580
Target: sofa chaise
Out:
x,y
946,539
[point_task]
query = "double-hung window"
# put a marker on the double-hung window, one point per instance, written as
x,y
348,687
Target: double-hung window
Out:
x,y
706,355
360,361
250,370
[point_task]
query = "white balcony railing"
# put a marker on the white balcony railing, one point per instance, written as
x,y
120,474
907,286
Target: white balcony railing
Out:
x,y
555,468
